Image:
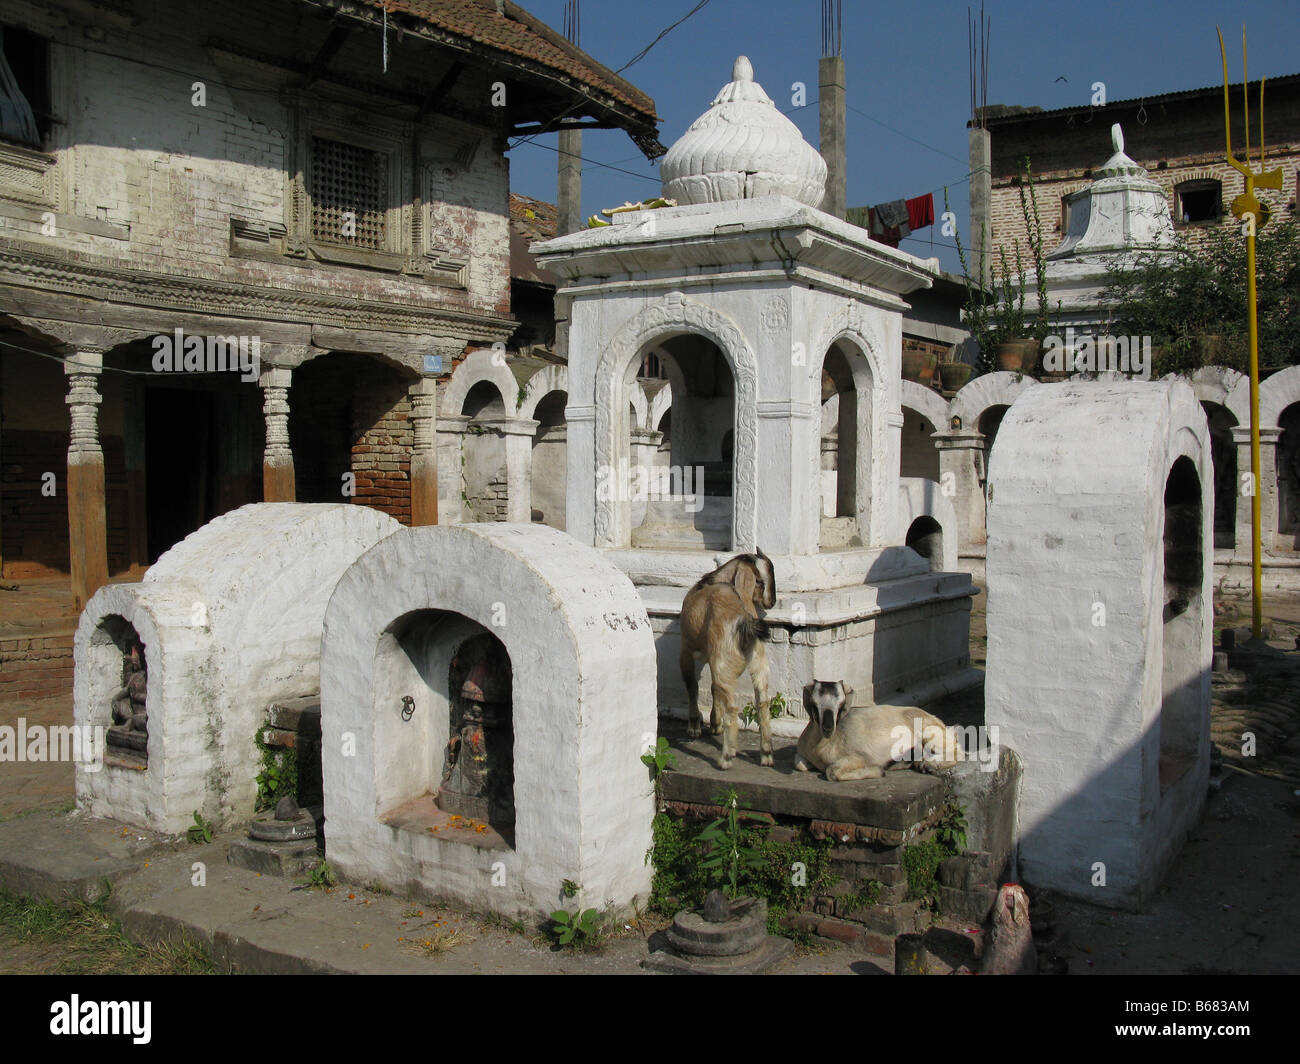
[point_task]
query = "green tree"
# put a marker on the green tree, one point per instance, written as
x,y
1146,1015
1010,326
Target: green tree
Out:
x,y
1192,302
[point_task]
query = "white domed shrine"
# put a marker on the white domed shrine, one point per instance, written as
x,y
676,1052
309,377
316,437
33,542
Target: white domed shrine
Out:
x,y
778,326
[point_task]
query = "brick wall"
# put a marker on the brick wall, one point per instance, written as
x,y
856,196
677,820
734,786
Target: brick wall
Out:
x,y
1175,138
351,413
35,667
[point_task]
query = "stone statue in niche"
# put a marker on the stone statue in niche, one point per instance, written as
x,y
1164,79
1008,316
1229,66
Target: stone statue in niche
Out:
x,y
478,773
130,702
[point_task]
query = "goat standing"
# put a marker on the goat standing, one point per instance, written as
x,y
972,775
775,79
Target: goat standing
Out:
x,y
722,625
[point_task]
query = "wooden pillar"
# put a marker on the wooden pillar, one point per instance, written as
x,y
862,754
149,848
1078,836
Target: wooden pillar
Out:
x,y
87,519
424,454
277,459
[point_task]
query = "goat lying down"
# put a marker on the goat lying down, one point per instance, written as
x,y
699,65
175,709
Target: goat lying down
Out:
x,y
859,744
722,625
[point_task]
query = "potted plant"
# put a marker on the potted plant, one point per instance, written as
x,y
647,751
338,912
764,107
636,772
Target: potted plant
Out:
x,y
918,366
954,374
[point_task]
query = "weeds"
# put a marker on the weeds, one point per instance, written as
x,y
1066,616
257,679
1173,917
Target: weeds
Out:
x,y
83,938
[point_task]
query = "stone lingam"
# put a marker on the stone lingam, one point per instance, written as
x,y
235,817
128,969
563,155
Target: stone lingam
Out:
x,y
724,937
279,843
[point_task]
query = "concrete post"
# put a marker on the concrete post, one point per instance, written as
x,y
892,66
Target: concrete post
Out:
x,y
980,238
1267,488
519,467
830,70
449,432
568,214
424,456
87,521
961,473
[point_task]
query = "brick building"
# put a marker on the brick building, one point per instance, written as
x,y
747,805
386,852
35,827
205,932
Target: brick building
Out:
x,y
1177,137
321,185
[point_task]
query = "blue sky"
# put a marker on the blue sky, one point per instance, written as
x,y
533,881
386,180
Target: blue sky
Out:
x,y
906,73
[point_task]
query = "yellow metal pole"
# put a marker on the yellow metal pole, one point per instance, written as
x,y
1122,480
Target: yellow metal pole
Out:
x,y
1253,214
1256,552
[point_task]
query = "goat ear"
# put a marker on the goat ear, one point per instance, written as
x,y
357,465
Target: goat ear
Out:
x,y
848,695
808,704
745,582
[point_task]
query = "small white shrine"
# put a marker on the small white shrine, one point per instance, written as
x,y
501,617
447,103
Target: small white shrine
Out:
x,y
767,315
1122,216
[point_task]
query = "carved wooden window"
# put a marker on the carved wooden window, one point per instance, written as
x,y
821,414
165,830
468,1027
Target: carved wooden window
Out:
x,y
349,194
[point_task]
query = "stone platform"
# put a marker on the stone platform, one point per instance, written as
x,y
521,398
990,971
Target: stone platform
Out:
x,y
870,823
889,810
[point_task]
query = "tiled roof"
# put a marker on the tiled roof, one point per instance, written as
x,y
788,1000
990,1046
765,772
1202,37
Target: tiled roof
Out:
x,y
509,28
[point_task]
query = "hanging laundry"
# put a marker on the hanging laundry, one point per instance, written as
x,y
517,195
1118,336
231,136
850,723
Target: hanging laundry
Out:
x,y
920,211
893,215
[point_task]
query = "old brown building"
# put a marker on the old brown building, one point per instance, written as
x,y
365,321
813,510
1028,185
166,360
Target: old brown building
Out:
x,y
240,243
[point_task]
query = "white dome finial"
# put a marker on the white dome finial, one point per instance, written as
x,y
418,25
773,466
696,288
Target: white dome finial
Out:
x,y
742,147
1117,138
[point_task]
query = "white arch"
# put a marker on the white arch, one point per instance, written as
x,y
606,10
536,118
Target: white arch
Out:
x,y
640,406
659,406
990,389
546,380
671,315
1216,384
1275,395
927,403
876,400
481,365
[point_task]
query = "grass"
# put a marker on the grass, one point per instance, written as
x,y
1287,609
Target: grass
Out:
x,y
38,936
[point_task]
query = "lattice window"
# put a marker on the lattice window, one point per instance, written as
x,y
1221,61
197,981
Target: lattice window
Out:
x,y
349,194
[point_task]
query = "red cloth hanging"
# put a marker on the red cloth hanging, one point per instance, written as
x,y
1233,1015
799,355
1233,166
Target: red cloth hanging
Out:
x,y
920,211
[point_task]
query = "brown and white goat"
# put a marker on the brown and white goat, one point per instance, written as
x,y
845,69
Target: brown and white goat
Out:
x,y
722,625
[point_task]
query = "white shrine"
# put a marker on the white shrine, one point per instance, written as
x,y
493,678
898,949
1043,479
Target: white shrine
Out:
x,y
778,326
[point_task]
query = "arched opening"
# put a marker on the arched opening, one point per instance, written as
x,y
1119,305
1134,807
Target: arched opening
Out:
x,y
989,423
550,461
1288,479
1183,576
845,446
925,536
449,685
918,456
1223,455
687,501
485,486
350,429
119,677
